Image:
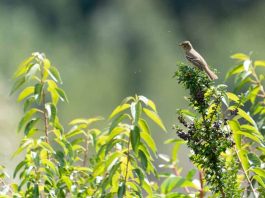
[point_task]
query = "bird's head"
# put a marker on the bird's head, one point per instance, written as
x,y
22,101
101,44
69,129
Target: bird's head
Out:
x,y
186,45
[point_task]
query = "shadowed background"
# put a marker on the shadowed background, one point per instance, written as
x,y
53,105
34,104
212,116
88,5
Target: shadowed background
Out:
x,y
107,50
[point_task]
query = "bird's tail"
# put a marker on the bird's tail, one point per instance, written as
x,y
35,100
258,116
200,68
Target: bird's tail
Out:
x,y
211,74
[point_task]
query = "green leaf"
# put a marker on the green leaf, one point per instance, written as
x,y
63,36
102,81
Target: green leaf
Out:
x,y
112,160
253,160
67,181
147,187
140,174
243,158
19,82
236,70
148,103
173,182
235,127
136,110
18,167
26,118
62,94
135,138
51,111
46,147
240,56
119,109
25,93
143,159
153,116
259,171
23,67
253,94
36,191
28,102
73,133
259,180
121,190
117,120
25,143
30,125
247,117
191,174
86,121
32,69
149,141
38,92
50,165
260,63
232,97
143,126
55,75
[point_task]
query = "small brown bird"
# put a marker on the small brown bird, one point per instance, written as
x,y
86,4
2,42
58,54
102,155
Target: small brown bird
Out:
x,y
196,59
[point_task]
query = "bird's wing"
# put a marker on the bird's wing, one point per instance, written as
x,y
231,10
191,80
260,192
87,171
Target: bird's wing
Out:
x,y
196,61
195,58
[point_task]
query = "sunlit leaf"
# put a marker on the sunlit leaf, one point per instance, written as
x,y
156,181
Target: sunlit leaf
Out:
x,y
148,102
234,71
26,118
259,180
30,125
54,73
246,116
232,97
247,64
24,145
25,93
143,126
136,110
67,181
47,147
19,82
253,160
149,141
175,182
260,63
32,69
117,120
119,109
235,127
240,56
62,94
23,67
259,171
153,116
18,167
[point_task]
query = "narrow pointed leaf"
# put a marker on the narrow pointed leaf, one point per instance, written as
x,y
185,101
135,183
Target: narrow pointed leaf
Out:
x,y
153,116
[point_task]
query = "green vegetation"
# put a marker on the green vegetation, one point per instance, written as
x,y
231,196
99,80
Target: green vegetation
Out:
x,y
93,157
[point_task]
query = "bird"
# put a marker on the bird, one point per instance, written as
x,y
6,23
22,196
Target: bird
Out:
x,y
197,60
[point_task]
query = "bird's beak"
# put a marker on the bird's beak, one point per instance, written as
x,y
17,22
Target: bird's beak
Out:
x,y
180,44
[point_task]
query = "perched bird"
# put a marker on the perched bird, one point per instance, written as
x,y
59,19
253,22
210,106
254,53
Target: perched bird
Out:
x,y
196,59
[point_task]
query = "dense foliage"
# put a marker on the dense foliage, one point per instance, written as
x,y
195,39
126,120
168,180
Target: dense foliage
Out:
x,y
91,158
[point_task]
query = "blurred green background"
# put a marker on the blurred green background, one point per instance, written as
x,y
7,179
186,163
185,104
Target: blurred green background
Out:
x,y
107,50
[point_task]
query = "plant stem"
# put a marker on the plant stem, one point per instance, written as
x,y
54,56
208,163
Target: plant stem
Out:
x,y
201,182
127,164
45,117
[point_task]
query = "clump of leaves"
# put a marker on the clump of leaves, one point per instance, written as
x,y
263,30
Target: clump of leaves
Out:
x,y
206,132
83,161
248,125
